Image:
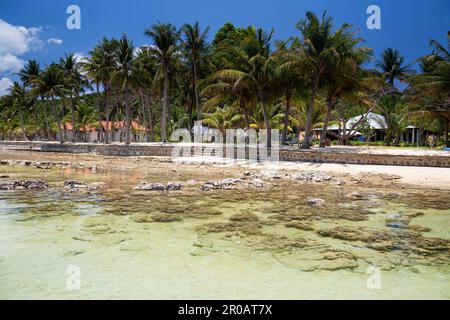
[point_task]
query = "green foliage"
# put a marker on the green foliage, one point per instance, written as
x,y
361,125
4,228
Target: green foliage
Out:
x,y
239,80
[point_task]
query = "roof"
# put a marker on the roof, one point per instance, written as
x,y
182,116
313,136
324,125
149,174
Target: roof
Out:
x,y
374,121
118,125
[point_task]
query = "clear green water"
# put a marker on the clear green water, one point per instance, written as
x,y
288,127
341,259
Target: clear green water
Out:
x,y
122,254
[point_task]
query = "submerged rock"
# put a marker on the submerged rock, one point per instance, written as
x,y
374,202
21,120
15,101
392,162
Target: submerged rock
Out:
x,y
316,202
311,260
244,217
23,184
156,217
398,223
150,186
418,228
221,184
299,225
80,187
160,217
146,186
379,240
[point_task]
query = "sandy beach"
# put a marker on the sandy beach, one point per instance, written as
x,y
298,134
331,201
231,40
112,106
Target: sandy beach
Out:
x,y
438,178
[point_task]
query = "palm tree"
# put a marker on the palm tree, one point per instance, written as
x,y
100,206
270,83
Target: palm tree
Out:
x,y
19,98
92,66
196,47
275,115
431,87
344,74
122,75
312,54
29,75
74,82
84,116
222,119
51,84
143,73
109,64
165,38
255,70
392,66
290,81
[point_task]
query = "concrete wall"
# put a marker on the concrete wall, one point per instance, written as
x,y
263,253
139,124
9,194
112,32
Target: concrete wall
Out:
x,y
322,156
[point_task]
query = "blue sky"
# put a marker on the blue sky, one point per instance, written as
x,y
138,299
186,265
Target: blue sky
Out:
x,y
406,25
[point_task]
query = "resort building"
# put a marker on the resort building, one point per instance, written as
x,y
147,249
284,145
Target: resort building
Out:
x,y
371,127
116,132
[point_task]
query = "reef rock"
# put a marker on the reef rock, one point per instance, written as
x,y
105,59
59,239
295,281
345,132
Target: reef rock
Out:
x,y
316,202
80,187
221,184
146,186
23,184
313,176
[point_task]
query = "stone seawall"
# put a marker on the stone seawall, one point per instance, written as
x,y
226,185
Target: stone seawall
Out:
x,y
319,156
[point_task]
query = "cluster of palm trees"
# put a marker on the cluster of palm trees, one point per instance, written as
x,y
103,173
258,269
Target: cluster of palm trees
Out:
x,y
242,79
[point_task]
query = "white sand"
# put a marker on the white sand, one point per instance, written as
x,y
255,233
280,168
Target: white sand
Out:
x,y
421,176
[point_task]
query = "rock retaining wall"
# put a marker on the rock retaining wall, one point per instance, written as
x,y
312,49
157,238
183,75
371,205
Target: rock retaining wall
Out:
x,y
320,156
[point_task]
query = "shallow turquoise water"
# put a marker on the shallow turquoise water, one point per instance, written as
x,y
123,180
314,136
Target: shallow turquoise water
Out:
x,y
45,234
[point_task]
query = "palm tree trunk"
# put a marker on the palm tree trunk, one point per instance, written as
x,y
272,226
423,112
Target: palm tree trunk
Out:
x,y
268,131
22,125
36,125
72,105
58,122
447,123
286,118
63,113
305,143
246,116
150,122
144,115
323,136
127,118
165,106
195,90
47,126
97,101
266,121
107,114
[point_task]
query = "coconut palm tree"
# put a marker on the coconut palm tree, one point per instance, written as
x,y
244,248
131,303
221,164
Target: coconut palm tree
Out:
x,y
222,119
106,56
431,87
165,38
254,69
143,72
392,66
19,98
84,116
290,81
74,82
312,53
196,47
344,72
92,67
122,75
51,85
29,75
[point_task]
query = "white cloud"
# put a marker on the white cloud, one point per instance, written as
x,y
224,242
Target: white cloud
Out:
x,y
80,56
17,40
54,41
5,83
10,63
